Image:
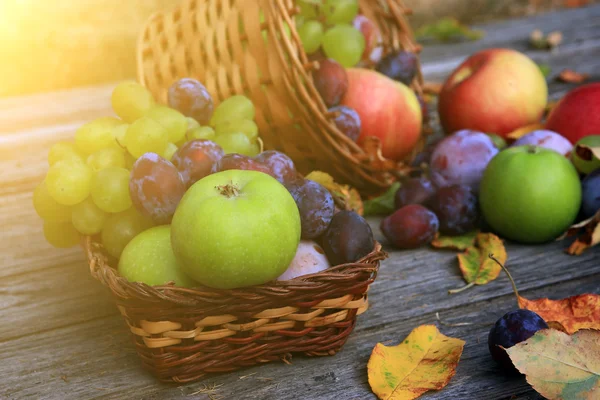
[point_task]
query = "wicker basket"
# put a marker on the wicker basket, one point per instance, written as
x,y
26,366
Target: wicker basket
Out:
x,y
222,44
182,334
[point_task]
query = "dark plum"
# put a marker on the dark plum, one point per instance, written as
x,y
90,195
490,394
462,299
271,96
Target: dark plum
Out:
x,y
347,121
400,66
410,227
196,159
348,238
414,191
239,161
331,81
591,194
280,165
192,99
315,204
514,327
457,208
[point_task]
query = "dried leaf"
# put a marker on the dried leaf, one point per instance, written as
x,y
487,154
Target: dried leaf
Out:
x,y
559,366
374,156
570,76
344,196
432,88
524,130
587,153
573,314
455,242
476,265
426,360
589,231
384,204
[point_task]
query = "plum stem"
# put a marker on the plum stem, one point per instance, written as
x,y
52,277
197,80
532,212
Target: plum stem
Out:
x,y
462,289
512,281
229,190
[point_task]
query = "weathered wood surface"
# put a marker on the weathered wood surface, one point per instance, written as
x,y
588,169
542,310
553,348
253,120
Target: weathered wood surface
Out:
x,y
61,336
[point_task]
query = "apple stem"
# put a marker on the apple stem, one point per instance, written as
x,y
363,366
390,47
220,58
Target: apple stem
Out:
x,y
512,281
532,149
462,289
230,190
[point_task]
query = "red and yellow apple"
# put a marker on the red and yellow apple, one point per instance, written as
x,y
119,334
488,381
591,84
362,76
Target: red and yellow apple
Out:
x,y
493,91
388,110
577,114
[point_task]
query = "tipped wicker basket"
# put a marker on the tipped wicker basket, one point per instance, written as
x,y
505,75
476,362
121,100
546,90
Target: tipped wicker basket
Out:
x,y
223,44
182,334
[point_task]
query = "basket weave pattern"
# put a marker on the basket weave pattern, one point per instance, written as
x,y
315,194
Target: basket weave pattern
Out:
x,y
181,334
252,48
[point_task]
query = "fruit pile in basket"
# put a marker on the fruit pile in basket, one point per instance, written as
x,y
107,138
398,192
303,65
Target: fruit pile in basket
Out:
x,y
184,193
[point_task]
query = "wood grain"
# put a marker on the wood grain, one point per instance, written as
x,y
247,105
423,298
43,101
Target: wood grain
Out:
x,y
62,338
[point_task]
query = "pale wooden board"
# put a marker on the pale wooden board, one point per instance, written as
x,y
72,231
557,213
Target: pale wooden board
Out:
x,y
59,322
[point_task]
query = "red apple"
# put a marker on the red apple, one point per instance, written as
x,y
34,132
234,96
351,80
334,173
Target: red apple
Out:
x,y
577,114
493,91
388,110
373,40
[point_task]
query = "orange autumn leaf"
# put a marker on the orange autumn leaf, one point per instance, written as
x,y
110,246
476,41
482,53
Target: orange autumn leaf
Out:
x,y
570,76
573,314
475,263
426,360
524,130
374,155
589,235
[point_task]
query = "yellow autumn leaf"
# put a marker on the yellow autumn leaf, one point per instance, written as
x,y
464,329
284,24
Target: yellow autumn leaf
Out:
x,y
426,360
344,196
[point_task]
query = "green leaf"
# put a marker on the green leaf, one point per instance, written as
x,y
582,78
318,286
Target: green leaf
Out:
x,y
546,69
382,205
462,242
447,29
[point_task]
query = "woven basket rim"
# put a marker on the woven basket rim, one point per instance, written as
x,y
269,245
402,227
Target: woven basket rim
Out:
x,y
101,270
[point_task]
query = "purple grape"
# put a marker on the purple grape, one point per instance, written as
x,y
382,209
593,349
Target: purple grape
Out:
x,y
591,194
410,227
414,191
347,121
315,204
514,327
457,209
348,238
400,66
331,81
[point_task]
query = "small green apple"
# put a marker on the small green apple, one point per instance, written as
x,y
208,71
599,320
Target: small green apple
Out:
x,y
235,229
583,166
149,258
530,194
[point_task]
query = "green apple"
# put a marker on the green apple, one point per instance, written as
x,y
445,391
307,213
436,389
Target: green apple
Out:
x,y
586,167
530,194
149,258
235,229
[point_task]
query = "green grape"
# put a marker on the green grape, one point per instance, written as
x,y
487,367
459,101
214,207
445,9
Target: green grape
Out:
x,y
47,208
131,101
61,234
310,8
245,126
311,34
169,151
120,228
235,143
235,107
87,218
129,161
96,135
109,157
173,121
69,182
201,132
254,149
192,123
119,133
63,151
146,136
344,44
340,11
110,189
300,20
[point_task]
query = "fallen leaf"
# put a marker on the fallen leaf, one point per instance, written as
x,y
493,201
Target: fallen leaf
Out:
x,y
384,204
476,265
573,314
587,153
559,366
462,242
432,88
448,29
524,130
546,69
426,360
538,40
344,196
589,235
570,76
374,156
